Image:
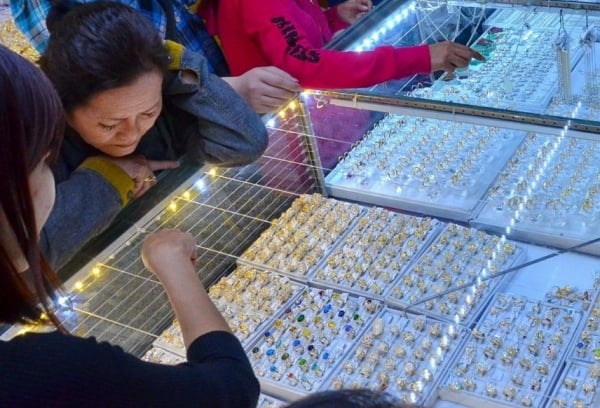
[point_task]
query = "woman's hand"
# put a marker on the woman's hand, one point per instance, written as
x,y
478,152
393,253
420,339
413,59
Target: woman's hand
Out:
x,y
141,170
352,10
448,55
265,88
170,255
164,253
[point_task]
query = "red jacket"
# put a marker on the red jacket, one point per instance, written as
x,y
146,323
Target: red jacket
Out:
x,y
290,34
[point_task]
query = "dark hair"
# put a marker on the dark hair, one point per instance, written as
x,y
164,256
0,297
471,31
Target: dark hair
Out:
x,y
31,126
98,46
361,398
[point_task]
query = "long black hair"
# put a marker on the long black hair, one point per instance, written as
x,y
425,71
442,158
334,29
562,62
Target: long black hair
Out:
x,y
98,46
31,127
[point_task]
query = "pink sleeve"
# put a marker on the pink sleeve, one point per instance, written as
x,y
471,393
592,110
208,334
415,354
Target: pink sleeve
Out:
x,y
285,43
334,20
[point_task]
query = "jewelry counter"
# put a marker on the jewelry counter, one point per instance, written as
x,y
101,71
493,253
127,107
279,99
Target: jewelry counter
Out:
x,y
539,84
429,256
327,293
539,60
476,281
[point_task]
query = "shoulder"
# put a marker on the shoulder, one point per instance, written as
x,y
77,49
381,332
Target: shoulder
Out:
x,y
55,368
51,347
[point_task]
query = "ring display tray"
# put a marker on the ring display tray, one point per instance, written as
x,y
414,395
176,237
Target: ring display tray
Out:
x,y
302,236
578,386
300,348
426,166
402,354
458,255
586,344
375,251
513,355
528,53
248,298
547,194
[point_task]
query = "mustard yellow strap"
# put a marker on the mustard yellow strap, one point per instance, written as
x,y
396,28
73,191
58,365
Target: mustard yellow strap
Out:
x,y
175,51
115,175
194,7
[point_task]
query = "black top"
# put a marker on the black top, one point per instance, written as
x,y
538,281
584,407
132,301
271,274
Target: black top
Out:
x,y
57,370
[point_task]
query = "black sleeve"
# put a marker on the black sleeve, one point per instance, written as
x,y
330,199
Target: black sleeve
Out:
x,y
60,370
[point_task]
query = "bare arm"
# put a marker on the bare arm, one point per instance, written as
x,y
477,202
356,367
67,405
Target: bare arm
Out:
x,y
170,255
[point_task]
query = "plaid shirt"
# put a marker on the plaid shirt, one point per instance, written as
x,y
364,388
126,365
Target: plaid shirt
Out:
x,y
30,18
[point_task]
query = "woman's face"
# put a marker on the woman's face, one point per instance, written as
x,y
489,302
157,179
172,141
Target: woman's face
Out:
x,y
115,120
43,192
41,185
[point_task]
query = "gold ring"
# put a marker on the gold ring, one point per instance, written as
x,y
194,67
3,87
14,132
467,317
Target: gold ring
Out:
x,y
150,179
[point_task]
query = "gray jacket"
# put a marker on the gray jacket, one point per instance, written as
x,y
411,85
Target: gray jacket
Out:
x,y
207,121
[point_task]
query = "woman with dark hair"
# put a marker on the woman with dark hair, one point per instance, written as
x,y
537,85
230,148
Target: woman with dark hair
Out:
x,y
264,88
134,105
56,369
360,398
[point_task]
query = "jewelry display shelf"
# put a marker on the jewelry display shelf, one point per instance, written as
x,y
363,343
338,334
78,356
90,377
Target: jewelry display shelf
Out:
x,y
300,349
577,387
513,356
585,103
402,354
302,236
378,248
582,28
459,256
547,194
247,298
527,52
281,298
427,166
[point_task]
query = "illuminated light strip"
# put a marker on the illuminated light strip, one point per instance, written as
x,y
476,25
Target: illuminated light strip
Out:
x,y
389,24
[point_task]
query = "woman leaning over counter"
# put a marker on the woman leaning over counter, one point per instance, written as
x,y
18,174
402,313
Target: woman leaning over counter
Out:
x,y
134,105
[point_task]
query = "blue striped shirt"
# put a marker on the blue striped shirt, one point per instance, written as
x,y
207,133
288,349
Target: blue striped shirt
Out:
x,y
30,18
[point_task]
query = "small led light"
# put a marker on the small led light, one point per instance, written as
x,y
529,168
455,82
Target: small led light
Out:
x,y
199,185
78,285
96,271
173,206
187,195
63,301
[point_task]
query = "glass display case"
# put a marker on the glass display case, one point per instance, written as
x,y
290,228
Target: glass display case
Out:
x,y
541,61
433,237
537,92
